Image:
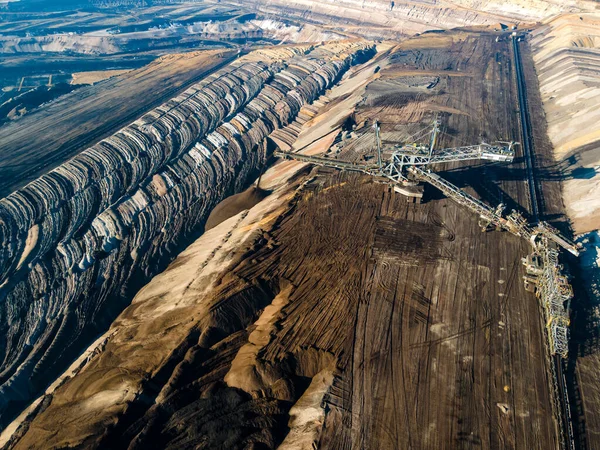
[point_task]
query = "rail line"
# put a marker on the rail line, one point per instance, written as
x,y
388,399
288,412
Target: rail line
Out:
x,y
526,138
562,408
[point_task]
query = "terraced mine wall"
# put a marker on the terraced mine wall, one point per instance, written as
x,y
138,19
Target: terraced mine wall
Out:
x,y
566,54
390,19
107,45
79,241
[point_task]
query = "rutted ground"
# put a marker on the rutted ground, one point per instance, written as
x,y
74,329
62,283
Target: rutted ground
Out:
x,y
333,313
329,313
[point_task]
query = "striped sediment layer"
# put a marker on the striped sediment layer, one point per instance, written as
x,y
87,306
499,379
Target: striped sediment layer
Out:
x,y
79,241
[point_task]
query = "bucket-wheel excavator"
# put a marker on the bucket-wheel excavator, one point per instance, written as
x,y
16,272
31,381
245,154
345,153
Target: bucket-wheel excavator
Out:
x,y
409,165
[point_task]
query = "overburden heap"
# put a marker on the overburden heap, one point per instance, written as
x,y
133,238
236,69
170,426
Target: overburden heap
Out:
x,y
81,239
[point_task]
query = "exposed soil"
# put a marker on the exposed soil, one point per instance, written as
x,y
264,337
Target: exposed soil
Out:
x,y
94,76
334,313
234,205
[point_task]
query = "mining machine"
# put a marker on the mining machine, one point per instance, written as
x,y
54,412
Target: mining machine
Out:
x,y
409,165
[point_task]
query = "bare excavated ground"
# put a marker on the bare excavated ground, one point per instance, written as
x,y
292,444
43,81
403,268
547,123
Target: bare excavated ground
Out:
x,y
42,140
548,171
349,318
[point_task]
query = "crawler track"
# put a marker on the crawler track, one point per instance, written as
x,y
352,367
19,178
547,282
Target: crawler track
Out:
x,y
561,395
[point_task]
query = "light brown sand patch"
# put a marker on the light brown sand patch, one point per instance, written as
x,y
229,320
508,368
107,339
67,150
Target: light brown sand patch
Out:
x,y
95,75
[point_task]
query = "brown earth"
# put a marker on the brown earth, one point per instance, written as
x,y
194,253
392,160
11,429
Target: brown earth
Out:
x,y
95,76
566,53
334,313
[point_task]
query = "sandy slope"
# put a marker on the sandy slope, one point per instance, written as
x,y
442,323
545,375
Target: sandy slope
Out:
x,y
92,77
385,18
567,58
337,315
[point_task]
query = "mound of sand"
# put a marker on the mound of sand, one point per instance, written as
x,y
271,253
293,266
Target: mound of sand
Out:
x,y
234,205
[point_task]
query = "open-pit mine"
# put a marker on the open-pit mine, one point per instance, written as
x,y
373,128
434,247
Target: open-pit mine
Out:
x,y
300,224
